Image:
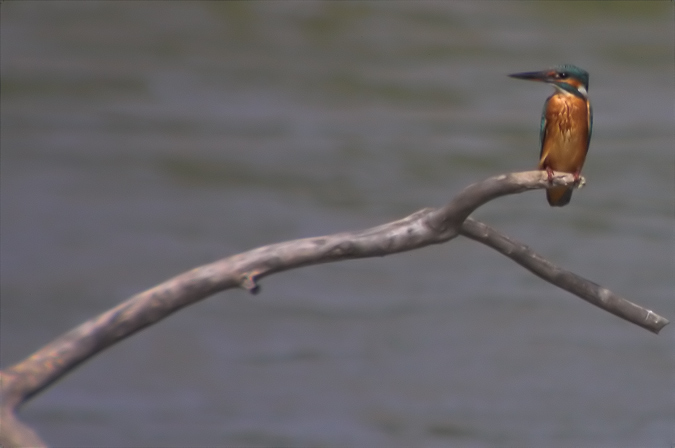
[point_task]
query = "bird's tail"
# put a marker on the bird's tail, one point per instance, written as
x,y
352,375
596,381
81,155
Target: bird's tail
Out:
x,y
558,196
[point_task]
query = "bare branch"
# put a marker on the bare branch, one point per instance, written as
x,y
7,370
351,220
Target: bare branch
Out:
x,y
569,281
428,226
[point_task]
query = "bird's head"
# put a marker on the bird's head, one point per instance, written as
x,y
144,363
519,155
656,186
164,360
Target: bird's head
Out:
x,y
567,78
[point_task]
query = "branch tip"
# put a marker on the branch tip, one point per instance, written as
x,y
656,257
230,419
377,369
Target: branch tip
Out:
x,y
581,182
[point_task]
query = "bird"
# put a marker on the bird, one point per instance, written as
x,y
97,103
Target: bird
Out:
x,y
566,126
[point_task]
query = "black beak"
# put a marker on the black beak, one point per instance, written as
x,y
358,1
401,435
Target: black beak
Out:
x,y
533,76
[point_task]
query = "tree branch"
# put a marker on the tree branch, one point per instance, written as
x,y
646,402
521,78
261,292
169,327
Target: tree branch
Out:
x,y
22,381
569,281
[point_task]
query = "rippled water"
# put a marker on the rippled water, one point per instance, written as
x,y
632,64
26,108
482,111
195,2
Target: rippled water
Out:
x,y
140,139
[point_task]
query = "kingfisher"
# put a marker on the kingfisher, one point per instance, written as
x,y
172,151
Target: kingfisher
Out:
x,y
566,126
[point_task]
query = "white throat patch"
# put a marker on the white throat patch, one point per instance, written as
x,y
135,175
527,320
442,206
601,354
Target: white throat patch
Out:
x,y
581,90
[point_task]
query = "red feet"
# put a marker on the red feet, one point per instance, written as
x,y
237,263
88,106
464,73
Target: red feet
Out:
x,y
549,173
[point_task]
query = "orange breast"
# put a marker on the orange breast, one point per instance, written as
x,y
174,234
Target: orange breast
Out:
x,y
565,142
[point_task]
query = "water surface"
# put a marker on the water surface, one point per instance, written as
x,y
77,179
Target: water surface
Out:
x,y
141,139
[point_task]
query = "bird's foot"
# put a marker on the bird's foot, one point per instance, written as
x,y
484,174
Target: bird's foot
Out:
x,y
549,174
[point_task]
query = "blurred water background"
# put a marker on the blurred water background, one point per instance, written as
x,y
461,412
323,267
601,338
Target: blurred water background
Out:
x,y
141,139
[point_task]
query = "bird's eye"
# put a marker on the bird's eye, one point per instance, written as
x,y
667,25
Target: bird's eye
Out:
x,y
563,75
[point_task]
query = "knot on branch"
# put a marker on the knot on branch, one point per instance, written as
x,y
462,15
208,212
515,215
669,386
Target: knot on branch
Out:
x,y
248,282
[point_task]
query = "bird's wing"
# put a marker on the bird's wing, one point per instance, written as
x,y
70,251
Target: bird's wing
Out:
x,y
590,123
542,133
